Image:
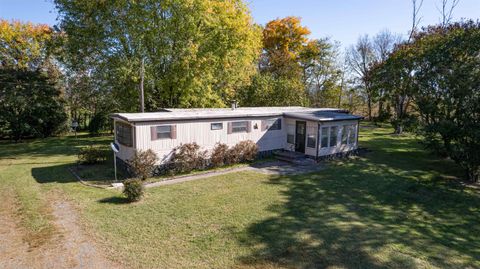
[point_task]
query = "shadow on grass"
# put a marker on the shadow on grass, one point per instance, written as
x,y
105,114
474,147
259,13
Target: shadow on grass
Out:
x,y
53,174
392,208
114,200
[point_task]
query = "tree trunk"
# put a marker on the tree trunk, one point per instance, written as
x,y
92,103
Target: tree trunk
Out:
x,y
398,128
369,107
473,174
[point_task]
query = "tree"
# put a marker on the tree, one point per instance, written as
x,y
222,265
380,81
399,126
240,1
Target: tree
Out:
x,y
321,73
294,70
196,53
360,58
31,103
447,81
284,41
383,44
393,78
267,90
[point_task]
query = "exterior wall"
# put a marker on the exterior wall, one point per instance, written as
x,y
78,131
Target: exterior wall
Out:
x,y
339,147
311,129
199,131
125,152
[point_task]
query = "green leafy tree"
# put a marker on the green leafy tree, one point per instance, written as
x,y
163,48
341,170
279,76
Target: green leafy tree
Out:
x,y
196,53
31,102
447,81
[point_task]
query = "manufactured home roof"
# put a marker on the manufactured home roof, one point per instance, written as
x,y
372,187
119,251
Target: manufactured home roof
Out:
x,y
321,115
220,113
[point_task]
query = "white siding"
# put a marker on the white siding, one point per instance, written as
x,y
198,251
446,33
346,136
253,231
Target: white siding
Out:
x,y
199,131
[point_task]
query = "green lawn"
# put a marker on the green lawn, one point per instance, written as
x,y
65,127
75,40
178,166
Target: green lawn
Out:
x,y
396,207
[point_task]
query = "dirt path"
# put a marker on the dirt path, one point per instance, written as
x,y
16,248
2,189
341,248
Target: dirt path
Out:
x,y
70,247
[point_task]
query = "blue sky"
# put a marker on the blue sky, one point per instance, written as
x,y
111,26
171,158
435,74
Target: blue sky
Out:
x,y
341,20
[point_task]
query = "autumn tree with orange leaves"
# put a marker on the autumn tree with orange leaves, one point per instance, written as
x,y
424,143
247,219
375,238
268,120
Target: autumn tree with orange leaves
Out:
x,y
293,69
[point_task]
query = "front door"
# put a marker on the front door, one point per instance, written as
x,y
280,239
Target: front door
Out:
x,y
300,136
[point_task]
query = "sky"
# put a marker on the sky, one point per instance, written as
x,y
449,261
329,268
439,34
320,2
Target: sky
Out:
x,y
340,20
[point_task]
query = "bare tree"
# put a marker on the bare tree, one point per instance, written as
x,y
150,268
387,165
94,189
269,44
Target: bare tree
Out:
x,y
416,18
359,58
383,44
446,11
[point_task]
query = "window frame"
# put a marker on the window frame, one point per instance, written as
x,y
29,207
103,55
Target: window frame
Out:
x,y
161,135
290,136
335,127
310,138
352,134
345,134
244,129
273,124
121,127
325,135
216,123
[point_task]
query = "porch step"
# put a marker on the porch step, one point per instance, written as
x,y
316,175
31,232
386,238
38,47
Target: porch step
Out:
x,y
293,157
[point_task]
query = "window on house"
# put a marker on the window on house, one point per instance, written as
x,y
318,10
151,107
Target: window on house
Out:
x,y
311,141
216,126
123,133
272,124
333,136
352,134
324,142
239,126
164,131
291,134
345,131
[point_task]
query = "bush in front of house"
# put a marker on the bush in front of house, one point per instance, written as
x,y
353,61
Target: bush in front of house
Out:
x,y
219,155
143,163
92,155
133,189
188,157
243,151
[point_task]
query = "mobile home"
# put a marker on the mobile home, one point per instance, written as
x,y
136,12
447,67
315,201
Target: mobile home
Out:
x,y
315,132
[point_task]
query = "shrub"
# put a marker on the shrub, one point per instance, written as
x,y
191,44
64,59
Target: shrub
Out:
x,y
243,151
99,122
188,157
133,189
219,155
143,163
92,155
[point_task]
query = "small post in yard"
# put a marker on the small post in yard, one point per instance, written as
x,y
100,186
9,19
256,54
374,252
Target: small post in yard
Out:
x,y
115,149
74,126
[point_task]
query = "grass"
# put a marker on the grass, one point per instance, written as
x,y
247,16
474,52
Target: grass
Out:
x,y
395,207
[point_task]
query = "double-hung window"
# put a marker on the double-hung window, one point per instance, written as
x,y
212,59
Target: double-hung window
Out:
x,y
352,134
291,134
345,133
311,141
163,132
325,142
272,124
239,126
333,136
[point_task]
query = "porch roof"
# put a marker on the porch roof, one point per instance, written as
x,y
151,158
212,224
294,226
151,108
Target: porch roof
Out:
x,y
322,116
